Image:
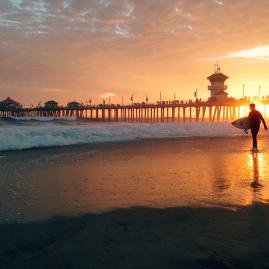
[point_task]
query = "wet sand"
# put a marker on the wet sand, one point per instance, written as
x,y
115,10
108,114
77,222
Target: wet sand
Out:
x,y
181,237
39,184
185,203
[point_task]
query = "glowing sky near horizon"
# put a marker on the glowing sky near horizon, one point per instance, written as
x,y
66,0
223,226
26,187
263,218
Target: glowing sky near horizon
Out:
x,y
76,50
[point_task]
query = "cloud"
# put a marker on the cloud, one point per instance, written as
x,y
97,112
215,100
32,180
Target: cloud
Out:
x,y
121,30
85,46
107,95
218,2
258,53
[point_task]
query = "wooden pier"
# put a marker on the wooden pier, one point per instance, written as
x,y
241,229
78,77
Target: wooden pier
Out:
x,y
142,112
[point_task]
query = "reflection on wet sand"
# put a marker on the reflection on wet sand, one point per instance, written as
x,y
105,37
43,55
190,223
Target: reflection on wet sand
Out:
x,y
255,184
170,173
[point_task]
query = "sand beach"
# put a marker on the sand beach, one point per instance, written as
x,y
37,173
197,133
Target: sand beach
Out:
x,y
163,203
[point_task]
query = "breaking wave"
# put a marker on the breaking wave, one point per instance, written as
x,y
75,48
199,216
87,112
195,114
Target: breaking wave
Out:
x,y
23,137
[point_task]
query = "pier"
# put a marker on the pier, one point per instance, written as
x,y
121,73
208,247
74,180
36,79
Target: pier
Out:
x,y
216,108
173,111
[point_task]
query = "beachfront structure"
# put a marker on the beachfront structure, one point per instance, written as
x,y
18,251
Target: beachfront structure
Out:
x,y
144,112
217,88
73,105
51,104
9,103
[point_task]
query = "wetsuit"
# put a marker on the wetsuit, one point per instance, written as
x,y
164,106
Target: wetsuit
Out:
x,y
255,118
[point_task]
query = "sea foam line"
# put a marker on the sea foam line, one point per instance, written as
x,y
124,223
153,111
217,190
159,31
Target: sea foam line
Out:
x,y
43,119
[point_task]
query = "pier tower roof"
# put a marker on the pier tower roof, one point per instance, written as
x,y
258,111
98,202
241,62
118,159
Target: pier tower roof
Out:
x,y
217,76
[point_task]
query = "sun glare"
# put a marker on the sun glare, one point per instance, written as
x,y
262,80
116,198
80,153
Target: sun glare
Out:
x,y
264,109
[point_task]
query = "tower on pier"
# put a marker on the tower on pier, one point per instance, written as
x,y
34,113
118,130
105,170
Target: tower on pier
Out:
x,y
217,87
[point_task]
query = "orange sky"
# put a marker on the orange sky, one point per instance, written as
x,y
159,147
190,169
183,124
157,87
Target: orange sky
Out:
x,y
76,50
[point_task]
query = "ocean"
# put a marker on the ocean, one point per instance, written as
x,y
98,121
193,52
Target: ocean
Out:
x,y
75,166
116,194
25,133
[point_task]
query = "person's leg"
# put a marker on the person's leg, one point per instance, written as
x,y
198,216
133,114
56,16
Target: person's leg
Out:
x,y
255,143
254,139
254,133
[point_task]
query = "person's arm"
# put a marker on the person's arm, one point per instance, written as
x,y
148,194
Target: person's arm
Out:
x,y
264,123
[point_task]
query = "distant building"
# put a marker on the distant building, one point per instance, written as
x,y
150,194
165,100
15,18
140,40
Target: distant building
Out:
x,y
51,105
73,105
217,87
9,103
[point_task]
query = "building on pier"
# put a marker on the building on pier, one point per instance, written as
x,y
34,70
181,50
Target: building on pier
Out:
x,y
51,104
74,105
9,103
217,88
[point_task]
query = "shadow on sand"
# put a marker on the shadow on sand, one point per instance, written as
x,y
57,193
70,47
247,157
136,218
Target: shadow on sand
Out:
x,y
142,238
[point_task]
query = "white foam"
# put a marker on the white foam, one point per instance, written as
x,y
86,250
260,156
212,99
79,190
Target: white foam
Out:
x,y
44,119
32,137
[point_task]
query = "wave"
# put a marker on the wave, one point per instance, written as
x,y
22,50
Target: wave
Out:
x,y
25,137
42,119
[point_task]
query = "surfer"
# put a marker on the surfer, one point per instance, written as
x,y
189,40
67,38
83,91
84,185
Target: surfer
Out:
x,y
255,118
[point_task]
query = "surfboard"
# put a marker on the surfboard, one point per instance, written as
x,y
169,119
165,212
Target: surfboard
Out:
x,y
242,123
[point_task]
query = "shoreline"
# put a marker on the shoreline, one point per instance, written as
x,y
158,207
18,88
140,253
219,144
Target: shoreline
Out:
x,y
127,142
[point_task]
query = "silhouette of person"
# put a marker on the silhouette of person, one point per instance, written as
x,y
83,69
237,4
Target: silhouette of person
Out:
x,y
255,118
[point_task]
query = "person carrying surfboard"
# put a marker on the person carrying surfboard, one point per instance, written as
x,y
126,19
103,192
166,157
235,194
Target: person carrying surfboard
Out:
x,y
255,118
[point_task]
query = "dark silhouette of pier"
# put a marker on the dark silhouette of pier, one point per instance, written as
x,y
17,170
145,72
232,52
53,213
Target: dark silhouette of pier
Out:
x,y
175,111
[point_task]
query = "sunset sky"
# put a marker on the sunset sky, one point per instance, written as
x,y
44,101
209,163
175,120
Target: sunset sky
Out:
x,y
80,49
